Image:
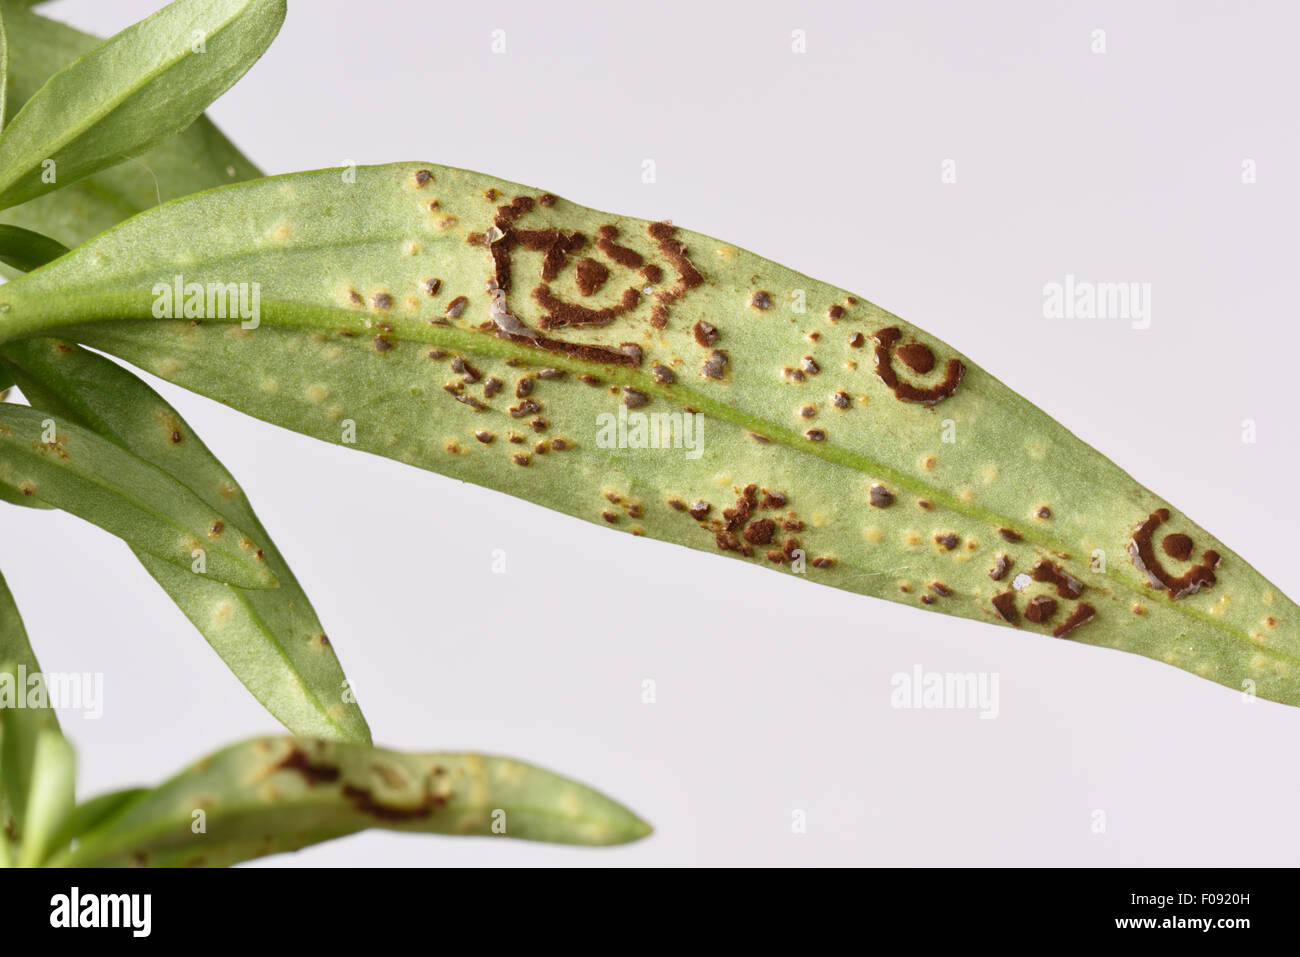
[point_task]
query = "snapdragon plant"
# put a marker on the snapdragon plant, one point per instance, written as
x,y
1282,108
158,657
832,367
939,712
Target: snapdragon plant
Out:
x,y
502,335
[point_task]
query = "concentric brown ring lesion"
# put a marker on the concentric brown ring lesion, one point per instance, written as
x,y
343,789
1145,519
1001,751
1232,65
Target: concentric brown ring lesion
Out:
x,y
1177,546
558,246
920,359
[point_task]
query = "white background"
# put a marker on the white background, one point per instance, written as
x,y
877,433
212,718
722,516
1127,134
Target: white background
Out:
x,y
1122,166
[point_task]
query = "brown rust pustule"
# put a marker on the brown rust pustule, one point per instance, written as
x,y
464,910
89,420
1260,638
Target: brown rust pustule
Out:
x,y
1177,546
1144,557
1040,609
1067,586
625,257
363,800
312,772
590,276
560,313
947,541
905,391
1081,615
880,496
1001,565
688,277
705,334
1005,605
715,366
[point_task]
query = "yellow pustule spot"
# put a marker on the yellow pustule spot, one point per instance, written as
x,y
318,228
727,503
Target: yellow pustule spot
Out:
x,y
221,612
872,534
316,394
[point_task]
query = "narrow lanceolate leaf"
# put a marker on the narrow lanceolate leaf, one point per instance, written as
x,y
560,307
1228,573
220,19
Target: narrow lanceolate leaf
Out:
x,y
24,712
26,249
198,158
4,70
270,638
502,336
71,468
51,798
280,794
131,93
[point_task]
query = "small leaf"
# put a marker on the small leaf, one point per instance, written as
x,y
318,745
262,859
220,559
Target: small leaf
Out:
x,y
400,311
51,799
90,814
24,713
71,468
270,795
132,92
270,638
25,249
4,70
196,159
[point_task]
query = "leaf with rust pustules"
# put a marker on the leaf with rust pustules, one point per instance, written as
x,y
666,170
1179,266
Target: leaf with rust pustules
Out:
x,y
496,334
270,795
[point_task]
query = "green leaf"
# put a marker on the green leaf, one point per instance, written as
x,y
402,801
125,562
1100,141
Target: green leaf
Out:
x,y
24,713
356,277
66,466
51,799
92,813
4,69
132,92
197,159
25,250
270,638
270,795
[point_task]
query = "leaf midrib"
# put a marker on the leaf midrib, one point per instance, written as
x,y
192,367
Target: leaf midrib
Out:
x,y
98,307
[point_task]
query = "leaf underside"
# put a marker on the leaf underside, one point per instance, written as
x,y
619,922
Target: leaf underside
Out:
x,y
270,795
823,448
269,637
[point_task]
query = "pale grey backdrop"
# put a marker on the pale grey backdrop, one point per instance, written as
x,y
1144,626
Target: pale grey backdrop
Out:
x,y
1125,165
